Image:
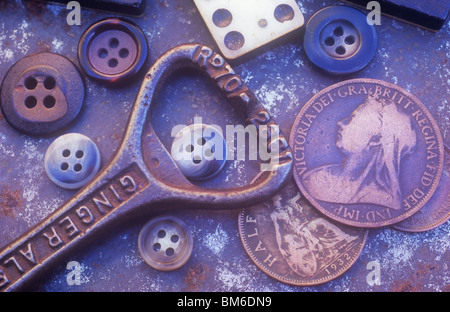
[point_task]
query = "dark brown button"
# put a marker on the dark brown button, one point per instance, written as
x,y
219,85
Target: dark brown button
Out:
x,y
112,50
42,93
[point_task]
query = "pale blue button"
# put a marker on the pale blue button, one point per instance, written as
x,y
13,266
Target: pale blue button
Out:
x,y
72,160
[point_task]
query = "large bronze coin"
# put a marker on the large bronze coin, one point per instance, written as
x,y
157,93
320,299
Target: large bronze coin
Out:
x,y
437,211
367,153
289,240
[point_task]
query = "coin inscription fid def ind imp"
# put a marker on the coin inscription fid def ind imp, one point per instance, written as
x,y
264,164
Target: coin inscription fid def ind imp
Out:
x,y
367,153
437,211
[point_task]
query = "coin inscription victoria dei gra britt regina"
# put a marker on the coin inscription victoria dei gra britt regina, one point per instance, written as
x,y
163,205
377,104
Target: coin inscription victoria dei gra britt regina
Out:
x,y
367,153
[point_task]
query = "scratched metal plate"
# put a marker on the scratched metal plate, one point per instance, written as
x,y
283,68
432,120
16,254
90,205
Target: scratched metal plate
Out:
x,y
283,79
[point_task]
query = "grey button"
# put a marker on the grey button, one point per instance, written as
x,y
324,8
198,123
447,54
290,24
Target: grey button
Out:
x,y
165,243
72,160
199,151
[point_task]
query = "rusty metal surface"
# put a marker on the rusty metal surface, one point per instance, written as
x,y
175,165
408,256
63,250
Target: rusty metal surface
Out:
x,y
283,80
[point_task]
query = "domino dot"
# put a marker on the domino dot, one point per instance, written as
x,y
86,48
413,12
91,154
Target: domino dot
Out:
x,y
262,23
222,18
234,40
284,13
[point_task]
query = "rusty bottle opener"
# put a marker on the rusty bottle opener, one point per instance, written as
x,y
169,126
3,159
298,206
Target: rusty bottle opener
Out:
x,y
137,177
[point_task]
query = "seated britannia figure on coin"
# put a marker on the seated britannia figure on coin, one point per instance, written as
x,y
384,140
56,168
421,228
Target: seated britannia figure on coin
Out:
x,y
373,140
308,247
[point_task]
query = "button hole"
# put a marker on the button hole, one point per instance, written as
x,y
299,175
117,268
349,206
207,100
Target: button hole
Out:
x,y
49,101
349,40
197,160
49,83
208,153
189,148
77,167
170,252
30,102
30,83
201,141
329,41
113,43
64,166
161,234
157,247
341,50
66,153
123,53
174,238
79,154
113,63
338,31
102,53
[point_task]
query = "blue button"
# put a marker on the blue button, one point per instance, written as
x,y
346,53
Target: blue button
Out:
x,y
339,40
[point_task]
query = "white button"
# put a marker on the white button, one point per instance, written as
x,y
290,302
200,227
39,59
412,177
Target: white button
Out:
x,y
199,151
165,243
72,160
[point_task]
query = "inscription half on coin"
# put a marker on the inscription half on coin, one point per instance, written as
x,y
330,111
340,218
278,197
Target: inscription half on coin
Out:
x,y
437,211
366,153
289,240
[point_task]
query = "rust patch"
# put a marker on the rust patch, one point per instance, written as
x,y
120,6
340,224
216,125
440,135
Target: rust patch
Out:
x,y
414,284
196,276
34,8
406,286
4,4
424,269
163,4
44,46
116,136
9,202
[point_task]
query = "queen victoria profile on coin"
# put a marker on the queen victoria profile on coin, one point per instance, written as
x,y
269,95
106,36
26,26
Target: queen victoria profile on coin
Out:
x,y
367,153
373,139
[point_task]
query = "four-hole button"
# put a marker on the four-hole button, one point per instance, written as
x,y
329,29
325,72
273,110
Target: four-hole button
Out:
x,y
112,50
165,243
72,160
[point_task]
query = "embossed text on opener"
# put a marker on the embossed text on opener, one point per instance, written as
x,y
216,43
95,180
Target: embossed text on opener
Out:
x,y
79,219
127,185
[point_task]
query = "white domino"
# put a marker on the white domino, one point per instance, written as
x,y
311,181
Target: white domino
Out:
x,y
240,26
